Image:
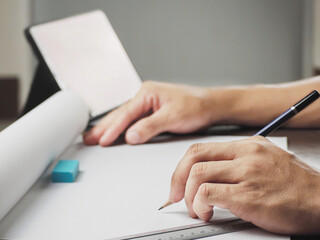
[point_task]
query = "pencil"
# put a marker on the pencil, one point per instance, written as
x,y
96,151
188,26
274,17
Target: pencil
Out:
x,y
168,203
291,112
276,123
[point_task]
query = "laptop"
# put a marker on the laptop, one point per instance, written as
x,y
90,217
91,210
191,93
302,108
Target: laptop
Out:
x,y
84,54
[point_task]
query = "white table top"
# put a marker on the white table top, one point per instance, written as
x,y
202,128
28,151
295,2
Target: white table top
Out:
x,y
120,197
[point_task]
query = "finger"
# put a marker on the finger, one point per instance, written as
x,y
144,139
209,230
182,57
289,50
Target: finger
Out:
x,y
199,153
213,194
147,128
127,114
213,172
93,136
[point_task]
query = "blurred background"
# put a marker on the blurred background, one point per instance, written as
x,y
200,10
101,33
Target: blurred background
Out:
x,y
203,42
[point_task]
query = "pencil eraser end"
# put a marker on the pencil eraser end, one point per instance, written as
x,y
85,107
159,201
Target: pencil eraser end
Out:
x,y
65,171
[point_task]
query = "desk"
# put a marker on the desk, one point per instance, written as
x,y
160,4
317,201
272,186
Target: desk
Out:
x,y
36,206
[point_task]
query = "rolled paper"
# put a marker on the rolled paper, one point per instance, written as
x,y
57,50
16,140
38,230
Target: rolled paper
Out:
x,y
32,142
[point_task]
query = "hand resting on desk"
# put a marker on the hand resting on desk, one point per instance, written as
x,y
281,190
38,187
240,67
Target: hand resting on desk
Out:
x,y
157,107
164,107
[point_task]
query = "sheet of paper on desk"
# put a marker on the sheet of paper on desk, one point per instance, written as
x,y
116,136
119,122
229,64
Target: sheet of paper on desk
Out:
x,y
118,192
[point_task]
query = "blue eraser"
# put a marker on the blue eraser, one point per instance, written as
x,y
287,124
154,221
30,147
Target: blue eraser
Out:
x,y
65,171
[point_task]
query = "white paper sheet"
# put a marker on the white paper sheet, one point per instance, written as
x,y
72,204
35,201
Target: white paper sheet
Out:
x,y
118,192
31,143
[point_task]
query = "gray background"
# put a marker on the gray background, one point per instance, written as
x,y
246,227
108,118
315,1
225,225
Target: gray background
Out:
x,y
203,42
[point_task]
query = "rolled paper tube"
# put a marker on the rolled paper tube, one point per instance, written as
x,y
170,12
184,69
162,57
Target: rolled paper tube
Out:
x,y
31,143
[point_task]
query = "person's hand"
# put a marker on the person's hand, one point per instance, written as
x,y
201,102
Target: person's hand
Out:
x,y
157,108
255,180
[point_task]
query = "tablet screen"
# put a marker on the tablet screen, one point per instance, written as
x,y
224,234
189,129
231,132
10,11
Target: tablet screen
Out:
x,y
85,55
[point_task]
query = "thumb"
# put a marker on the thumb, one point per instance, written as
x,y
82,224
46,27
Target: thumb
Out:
x,y
146,128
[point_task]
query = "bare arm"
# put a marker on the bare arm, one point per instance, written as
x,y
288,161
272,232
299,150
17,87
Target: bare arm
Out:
x,y
259,104
161,107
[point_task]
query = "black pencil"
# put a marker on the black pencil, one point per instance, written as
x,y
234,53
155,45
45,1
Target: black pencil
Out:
x,y
284,117
276,123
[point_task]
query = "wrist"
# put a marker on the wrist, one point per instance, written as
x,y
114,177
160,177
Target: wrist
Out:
x,y
225,105
253,105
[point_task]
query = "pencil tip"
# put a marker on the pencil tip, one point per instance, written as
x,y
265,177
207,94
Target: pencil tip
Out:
x,y
168,203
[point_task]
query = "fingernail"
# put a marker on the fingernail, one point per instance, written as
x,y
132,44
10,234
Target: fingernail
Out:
x,y
103,139
96,131
133,137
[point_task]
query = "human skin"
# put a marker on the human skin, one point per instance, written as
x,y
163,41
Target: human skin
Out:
x,y
164,107
253,178
157,107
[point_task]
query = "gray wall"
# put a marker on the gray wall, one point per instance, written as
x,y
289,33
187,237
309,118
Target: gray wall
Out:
x,y
15,54
203,42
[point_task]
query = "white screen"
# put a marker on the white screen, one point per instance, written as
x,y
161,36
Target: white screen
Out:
x,y
85,55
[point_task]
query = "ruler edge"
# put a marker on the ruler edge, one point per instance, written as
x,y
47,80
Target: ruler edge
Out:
x,y
185,227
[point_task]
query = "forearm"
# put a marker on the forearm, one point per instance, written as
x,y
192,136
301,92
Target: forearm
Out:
x,y
259,104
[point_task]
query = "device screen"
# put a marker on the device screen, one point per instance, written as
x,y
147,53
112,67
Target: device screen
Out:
x,y
85,55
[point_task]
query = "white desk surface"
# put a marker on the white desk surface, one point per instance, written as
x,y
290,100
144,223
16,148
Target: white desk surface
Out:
x,y
116,193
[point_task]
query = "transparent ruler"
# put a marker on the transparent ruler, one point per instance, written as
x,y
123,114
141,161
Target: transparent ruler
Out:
x,y
194,231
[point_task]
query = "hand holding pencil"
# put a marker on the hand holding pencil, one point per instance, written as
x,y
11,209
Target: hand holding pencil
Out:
x,y
250,178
